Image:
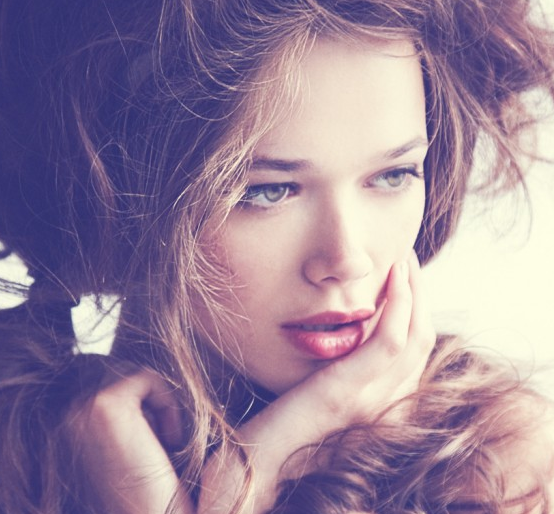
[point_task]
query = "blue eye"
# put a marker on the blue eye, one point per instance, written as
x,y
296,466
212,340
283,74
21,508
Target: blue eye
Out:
x,y
395,179
267,195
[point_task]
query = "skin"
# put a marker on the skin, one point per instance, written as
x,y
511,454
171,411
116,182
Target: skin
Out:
x,y
332,203
342,241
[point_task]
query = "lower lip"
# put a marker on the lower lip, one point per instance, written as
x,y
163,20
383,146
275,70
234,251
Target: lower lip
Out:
x,y
327,345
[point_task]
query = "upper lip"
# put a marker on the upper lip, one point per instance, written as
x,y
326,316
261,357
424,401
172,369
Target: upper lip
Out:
x,y
331,318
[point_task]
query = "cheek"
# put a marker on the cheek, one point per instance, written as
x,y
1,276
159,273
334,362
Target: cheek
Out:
x,y
398,228
259,250
242,259
256,266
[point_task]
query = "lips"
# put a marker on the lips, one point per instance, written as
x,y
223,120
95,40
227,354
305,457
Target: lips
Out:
x,y
328,335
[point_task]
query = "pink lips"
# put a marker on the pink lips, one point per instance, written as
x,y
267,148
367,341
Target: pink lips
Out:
x,y
328,335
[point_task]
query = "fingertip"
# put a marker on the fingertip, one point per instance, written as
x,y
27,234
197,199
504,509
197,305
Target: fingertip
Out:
x,y
414,268
399,278
395,319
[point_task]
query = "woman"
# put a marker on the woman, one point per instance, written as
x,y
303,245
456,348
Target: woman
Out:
x,y
250,179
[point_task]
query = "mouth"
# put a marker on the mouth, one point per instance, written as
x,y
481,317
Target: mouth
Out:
x,y
323,328
328,335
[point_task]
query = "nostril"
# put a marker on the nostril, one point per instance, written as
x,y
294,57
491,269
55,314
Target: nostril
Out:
x,y
327,269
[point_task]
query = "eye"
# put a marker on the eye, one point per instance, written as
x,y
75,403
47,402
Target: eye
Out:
x,y
395,179
267,195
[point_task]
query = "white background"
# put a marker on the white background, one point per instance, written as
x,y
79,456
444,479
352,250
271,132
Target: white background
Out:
x,y
494,281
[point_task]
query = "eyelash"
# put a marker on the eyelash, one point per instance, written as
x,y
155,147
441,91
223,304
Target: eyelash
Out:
x,y
405,172
285,190
288,189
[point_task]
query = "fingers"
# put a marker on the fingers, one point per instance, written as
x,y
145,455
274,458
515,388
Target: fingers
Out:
x,y
421,327
391,333
405,324
393,323
162,410
390,363
422,334
145,393
130,397
120,437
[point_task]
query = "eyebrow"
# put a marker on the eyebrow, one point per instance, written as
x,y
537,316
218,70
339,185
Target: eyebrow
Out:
x,y
408,147
292,165
279,164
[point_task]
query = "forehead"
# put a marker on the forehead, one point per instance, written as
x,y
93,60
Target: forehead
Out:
x,y
351,95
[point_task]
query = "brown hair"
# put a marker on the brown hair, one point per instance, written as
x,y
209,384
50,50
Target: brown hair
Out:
x,y
473,439
126,128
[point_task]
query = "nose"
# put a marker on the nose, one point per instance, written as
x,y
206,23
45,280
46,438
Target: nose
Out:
x,y
340,251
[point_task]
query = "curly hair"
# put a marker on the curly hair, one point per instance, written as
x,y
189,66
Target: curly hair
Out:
x,y
126,131
471,439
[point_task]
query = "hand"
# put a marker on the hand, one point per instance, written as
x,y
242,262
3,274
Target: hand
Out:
x,y
121,433
388,365
360,386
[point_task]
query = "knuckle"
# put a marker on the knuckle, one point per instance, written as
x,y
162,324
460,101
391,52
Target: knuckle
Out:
x,y
340,391
104,406
335,402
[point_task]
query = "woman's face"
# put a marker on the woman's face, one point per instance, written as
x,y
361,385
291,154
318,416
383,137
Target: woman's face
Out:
x,y
335,197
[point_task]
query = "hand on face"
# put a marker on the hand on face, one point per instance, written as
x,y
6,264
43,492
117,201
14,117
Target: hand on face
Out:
x,y
386,367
